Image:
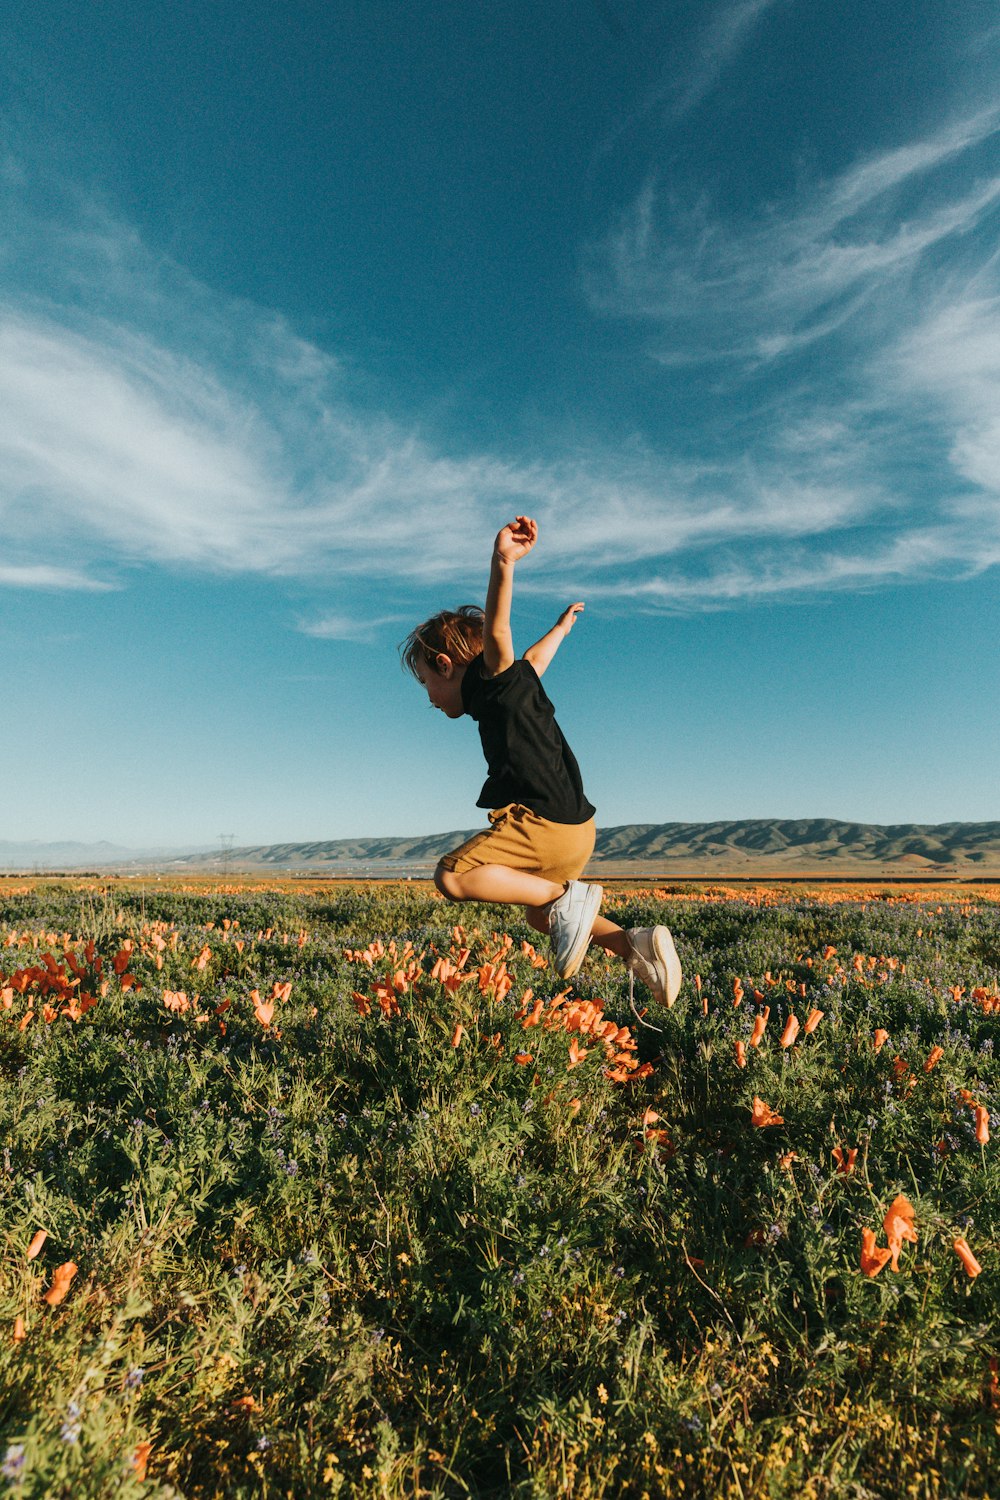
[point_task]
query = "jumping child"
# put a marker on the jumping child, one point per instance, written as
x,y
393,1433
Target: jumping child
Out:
x,y
542,826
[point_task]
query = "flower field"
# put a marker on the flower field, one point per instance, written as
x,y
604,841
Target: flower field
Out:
x,y
318,1190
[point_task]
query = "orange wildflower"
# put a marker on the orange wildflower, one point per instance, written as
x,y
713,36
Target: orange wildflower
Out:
x,y
791,1030
813,1020
933,1058
873,1257
573,1105
19,1334
982,1124
898,1226
762,1114
737,992
576,1053
140,1458
38,1240
262,1009
881,1037
965,1255
845,1160
61,1278
523,1058
457,1034
758,1026
120,961
741,1055
535,1016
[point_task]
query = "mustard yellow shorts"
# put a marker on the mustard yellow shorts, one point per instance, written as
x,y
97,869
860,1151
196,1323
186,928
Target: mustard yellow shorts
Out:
x,y
521,840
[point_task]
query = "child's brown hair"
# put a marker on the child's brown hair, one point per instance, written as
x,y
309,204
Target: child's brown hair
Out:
x,y
457,633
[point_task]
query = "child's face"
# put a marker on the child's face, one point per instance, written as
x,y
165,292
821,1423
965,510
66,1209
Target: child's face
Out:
x,y
444,685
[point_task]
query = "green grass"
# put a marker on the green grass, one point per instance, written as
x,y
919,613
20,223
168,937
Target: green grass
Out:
x,y
340,1256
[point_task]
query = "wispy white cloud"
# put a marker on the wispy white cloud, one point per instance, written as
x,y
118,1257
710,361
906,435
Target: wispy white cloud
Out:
x,y
362,629
725,38
145,420
43,576
860,324
686,83
121,445
759,288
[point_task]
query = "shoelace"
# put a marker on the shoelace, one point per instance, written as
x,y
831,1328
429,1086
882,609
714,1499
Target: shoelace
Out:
x,y
631,1000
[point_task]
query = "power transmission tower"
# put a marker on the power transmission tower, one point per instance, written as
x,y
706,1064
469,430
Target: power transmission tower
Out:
x,y
226,842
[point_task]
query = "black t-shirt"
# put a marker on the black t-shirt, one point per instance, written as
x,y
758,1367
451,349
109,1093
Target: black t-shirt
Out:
x,y
529,760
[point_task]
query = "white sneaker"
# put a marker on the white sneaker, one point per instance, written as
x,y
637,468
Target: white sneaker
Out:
x,y
571,921
653,960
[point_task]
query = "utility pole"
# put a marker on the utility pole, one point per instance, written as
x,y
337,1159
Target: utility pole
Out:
x,y
226,842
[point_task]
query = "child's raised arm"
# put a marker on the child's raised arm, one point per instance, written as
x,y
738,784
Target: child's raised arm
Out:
x,y
542,652
512,543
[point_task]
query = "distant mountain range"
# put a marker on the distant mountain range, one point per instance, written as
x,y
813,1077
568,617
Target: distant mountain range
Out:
x,y
748,848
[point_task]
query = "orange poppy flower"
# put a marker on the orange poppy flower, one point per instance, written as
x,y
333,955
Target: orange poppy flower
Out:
x,y
881,1037
19,1334
814,1018
873,1257
737,992
140,1458
61,1279
758,1026
933,1058
262,1009
576,1053
982,1124
573,1105
457,1034
522,1059
762,1114
791,1030
898,1226
845,1161
741,1055
38,1240
965,1255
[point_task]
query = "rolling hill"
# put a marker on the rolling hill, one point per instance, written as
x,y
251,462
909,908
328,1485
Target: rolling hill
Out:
x,y
767,845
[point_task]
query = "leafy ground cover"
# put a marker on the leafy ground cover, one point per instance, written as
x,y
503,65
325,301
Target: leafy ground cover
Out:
x,y
308,1191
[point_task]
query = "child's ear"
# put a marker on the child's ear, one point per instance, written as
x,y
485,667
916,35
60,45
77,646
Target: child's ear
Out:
x,y
444,665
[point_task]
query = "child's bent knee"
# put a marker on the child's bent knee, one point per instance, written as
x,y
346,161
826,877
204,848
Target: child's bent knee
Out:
x,y
448,883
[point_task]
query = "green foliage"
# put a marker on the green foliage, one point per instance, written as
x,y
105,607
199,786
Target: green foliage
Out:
x,y
337,1254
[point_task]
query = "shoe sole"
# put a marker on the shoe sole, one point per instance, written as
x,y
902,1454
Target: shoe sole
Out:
x,y
577,954
666,953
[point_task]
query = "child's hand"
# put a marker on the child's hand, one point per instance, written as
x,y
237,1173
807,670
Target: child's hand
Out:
x,y
567,619
516,540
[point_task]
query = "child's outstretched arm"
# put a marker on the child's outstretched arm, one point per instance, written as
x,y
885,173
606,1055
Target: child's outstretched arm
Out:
x,y
542,652
512,543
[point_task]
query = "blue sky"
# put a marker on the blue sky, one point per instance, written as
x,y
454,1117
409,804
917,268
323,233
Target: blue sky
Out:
x,y
299,304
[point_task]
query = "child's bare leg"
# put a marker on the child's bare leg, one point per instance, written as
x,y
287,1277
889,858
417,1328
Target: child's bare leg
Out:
x,y
498,884
605,934
506,887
